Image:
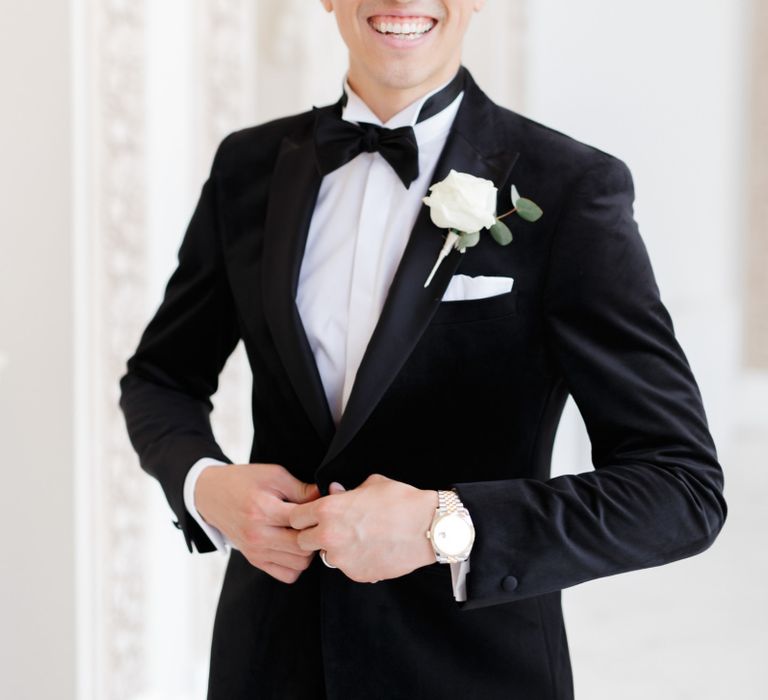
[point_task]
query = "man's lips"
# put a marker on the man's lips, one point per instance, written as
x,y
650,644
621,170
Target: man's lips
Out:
x,y
402,27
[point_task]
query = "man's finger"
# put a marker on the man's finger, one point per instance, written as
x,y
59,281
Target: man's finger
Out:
x,y
308,539
304,515
311,493
293,489
281,573
284,539
278,512
299,562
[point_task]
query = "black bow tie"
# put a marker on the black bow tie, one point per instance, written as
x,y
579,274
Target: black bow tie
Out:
x,y
337,141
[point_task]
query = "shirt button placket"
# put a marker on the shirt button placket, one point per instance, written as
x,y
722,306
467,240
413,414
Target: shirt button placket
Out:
x,y
363,298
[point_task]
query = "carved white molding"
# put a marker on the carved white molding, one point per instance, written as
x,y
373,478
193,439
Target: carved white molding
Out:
x,y
117,267
225,57
226,60
116,103
227,98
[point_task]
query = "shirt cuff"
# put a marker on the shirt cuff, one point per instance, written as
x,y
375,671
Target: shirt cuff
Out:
x,y
219,539
459,572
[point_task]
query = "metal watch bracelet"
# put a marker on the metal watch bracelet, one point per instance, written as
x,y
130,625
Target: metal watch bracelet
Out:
x,y
449,502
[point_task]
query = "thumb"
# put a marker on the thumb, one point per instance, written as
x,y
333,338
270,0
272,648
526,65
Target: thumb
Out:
x,y
297,491
311,492
336,487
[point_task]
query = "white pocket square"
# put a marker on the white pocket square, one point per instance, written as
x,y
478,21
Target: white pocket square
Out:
x,y
463,287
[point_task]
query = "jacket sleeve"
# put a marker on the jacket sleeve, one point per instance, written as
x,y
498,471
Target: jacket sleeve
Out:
x,y
656,494
166,390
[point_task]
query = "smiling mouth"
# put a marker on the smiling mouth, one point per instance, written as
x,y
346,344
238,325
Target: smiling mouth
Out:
x,y
408,28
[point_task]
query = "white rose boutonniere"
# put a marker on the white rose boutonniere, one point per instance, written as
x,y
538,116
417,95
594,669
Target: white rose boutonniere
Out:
x,y
464,204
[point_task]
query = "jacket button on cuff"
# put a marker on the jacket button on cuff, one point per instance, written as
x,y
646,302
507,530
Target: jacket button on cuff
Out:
x,y
509,583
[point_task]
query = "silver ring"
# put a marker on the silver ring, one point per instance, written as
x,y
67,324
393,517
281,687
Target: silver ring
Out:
x,y
325,561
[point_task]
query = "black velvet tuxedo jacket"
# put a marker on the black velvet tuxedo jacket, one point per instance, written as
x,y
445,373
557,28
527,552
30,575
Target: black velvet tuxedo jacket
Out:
x,y
463,393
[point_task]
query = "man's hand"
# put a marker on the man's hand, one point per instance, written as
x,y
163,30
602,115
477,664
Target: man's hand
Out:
x,y
251,504
376,531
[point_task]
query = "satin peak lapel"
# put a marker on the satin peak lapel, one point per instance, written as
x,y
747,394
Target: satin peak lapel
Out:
x,y
471,147
293,192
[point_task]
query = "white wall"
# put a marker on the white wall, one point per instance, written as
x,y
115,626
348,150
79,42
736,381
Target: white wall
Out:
x,y
660,84
37,624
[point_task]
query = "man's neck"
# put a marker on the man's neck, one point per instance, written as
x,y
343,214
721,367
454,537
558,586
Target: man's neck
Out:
x,y
385,101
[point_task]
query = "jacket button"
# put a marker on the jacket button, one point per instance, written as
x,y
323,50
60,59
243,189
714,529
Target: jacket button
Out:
x,y
509,583
176,524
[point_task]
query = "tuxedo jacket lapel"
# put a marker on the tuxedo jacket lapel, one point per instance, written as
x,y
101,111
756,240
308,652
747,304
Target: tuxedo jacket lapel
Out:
x,y
471,147
293,192
409,306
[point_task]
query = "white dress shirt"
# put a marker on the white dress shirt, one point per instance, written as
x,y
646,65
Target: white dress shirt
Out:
x,y
359,228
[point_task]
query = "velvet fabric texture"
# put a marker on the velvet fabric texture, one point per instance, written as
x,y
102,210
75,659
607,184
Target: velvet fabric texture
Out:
x,y
463,393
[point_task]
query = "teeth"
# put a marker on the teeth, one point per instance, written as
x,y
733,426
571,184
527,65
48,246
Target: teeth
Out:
x,y
406,30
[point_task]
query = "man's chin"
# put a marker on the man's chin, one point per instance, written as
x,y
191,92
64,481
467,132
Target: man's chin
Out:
x,y
405,75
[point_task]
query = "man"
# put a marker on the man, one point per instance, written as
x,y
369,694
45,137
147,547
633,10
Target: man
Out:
x,y
385,409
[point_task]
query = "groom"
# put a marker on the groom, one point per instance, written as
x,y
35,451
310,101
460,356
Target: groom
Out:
x,y
396,533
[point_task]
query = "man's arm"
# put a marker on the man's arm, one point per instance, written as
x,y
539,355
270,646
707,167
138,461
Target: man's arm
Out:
x,y
166,402
656,494
165,393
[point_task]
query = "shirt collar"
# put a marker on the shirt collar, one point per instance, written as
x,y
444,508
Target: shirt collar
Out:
x,y
356,110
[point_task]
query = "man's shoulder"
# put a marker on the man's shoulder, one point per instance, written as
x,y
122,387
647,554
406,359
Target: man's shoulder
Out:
x,y
255,148
551,152
543,152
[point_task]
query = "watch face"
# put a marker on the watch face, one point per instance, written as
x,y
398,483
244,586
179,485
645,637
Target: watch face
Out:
x,y
452,534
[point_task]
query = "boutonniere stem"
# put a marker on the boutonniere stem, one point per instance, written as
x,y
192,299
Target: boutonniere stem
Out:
x,y
464,204
450,241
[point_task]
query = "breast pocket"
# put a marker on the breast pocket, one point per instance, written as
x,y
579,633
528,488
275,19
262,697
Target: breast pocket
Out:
x,y
468,310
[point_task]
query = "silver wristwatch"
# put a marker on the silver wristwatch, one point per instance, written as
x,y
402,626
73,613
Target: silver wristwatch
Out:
x,y
451,531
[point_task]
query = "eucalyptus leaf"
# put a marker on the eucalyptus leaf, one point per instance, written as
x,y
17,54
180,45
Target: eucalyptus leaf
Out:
x,y
501,233
468,240
528,210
